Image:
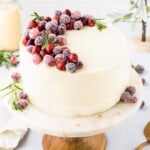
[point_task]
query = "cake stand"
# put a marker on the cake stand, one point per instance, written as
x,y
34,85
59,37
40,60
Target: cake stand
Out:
x,y
80,133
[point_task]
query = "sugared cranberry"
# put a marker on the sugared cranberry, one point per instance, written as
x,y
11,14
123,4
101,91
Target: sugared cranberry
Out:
x,y
38,41
60,58
139,69
41,25
79,65
143,81
131,90
126,97
29,48
22,95
36,49
76,14
91,22
61,30
66,53
52,26
14,60
78,25
34,33
52,37
64,19
71,67
134,99
58,13
67,12
57,50
16,76
73,57
49,60
60,66
36,58
25,41
22,103
49,48
47,18
61,40
33,24
70,25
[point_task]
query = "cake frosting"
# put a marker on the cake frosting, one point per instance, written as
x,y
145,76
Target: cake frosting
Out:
x,y
94,88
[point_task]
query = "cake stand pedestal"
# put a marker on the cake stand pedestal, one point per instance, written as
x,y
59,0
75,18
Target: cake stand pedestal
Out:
x,y
96,142
80,133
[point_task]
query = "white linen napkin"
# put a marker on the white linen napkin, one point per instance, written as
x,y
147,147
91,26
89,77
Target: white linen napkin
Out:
x,y
11,129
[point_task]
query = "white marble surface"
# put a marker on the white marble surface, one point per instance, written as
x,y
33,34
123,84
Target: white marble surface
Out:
x,y
124,137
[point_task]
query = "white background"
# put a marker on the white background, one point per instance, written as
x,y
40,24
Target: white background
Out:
x,y
128,135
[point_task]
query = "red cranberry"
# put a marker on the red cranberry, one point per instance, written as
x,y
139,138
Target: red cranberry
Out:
x,y
25,41
60,66
56,18
83,20
67,12
36,59
36,49
16,76
91,22
14,60
49,48
73,57
47,18
70,25
33,24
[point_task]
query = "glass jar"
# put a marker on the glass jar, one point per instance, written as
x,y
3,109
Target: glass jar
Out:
x,y
10,25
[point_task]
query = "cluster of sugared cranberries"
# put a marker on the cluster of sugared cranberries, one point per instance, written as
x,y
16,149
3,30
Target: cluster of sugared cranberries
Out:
x,y
22,100
45,39
128,95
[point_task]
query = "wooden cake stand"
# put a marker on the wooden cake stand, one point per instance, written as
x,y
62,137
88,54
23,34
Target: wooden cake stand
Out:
x,y
80,133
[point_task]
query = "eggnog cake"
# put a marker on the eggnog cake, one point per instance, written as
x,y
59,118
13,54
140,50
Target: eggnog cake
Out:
x,y
73,64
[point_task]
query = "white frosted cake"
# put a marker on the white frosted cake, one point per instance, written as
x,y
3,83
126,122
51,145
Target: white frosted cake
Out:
x,y
95,87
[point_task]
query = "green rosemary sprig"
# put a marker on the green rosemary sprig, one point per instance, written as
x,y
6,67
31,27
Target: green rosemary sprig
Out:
x,y
36,16
45,41
100,25
5,59
12,90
